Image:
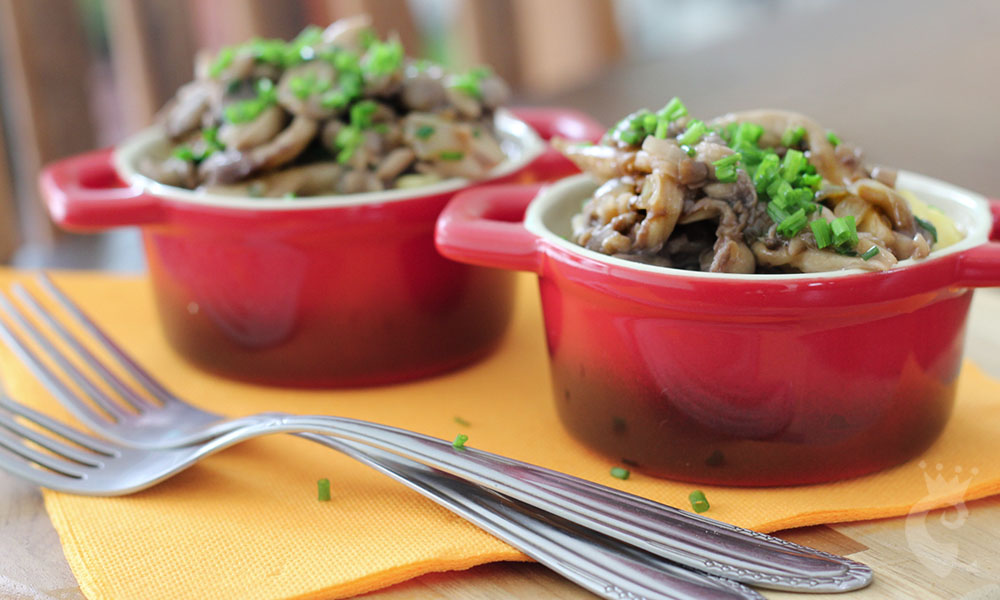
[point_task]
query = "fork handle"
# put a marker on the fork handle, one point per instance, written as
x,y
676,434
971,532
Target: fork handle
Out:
x,y
691,540
603,566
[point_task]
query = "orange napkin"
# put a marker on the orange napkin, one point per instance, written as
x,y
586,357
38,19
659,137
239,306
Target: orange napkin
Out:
x,y
246,523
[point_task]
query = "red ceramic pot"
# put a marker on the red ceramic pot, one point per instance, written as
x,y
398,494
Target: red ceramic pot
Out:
x,y
323,291
755,380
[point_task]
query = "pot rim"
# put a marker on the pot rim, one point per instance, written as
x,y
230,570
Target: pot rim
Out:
x,y
976,227
513,131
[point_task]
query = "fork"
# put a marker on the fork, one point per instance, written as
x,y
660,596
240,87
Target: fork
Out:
x,y
597,563
691,540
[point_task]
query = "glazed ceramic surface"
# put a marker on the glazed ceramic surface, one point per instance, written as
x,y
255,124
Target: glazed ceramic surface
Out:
x,y
754,380
320,291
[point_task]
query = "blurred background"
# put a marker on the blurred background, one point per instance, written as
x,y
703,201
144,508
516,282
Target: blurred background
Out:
x,y
913,82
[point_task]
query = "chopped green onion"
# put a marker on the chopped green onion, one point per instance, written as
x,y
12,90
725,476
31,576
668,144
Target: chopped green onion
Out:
x,y
459,443
673,110
792,136
696,129
793,224
832,138
802,198
222,60
301,87
931,229
620,473
323,486
725,168
778,191
845,231
698,501
812,181
367,37
793,164
362,112
824,234
184,153
689,150
462,422
767,170
334,100
290,196
631,138
747,133
424,131
650,123
348,140
776,213
661,129
383,58
870,253
451,155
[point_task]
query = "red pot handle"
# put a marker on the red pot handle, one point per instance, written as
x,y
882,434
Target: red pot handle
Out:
x,y
557,122
995,209
84,192
484,226
980,266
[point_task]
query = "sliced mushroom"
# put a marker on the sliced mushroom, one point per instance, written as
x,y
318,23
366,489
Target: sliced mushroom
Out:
x,y
286,145
243,136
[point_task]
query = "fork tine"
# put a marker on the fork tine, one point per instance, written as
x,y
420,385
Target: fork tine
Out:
x,y
127,393
16,445
74,435
49,443
147,381
56,385
18,465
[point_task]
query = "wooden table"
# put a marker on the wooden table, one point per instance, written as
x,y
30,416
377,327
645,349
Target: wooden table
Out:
x,y
914,83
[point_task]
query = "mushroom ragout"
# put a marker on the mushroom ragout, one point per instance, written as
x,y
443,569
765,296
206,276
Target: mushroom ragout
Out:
x,y
334,111
760,191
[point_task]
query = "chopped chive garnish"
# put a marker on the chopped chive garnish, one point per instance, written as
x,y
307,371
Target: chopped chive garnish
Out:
x,y
348,140
459,443
792,136
362,113
931,229
424,131
649,123
620,473
674,110
661,129
832,138
776,213
870,253
222,60
747,134
793,164
462,422
690,151
631,138
767,170
845,231
824,235
184,153
793,224
334,100
451,155
810,180
301,87
696,129
323,486
725,168
698,501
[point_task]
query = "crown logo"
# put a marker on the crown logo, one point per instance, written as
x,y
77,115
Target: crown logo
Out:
x,y
940,486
